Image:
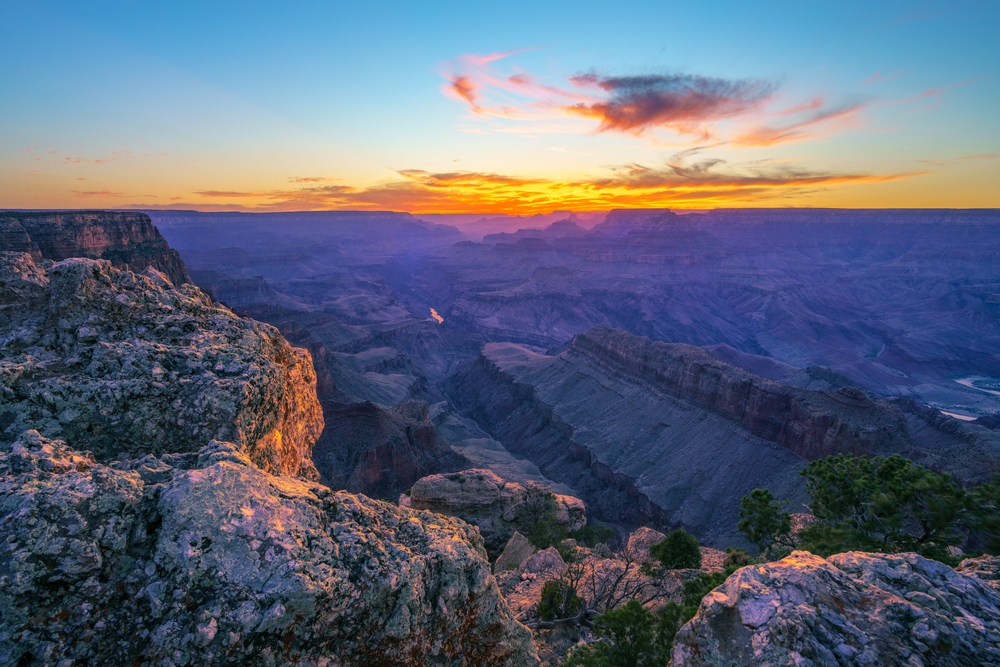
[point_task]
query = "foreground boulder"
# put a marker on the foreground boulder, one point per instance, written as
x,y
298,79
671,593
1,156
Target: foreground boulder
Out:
x,y
850,609
125,364
202,558
497,506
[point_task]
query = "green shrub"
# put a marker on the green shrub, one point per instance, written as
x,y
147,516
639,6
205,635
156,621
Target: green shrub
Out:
x,y
763,521
634,639
558,600
678,551
735,559
545,534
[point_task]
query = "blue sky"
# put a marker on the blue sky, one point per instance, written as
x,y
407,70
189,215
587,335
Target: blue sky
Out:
x,y
341,105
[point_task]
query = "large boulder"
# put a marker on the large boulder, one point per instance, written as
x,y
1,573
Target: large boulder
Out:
x,y
850,609
499,507
125,364
202,558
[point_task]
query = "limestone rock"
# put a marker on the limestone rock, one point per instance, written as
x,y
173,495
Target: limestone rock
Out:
x,y
518,550
127,239
985,568
202,558
851,609
497,506
126,364
640,540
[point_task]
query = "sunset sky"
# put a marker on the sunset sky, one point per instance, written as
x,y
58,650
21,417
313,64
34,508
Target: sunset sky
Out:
x,y
516,107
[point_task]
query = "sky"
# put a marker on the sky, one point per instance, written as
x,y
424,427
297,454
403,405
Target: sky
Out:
x,y
514,107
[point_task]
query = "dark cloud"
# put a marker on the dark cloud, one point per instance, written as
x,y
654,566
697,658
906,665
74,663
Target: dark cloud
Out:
x,y
679,101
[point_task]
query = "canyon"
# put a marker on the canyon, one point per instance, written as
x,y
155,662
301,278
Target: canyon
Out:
x,y
202,417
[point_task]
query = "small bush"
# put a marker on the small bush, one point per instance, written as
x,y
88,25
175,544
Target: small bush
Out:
x,y
591,536
407,492
678,551
545,534
558,600
455,477
735,559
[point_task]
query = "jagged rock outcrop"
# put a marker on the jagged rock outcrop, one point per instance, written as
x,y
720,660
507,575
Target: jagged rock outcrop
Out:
x,y
850,609
499,507
202,558
128,240
378,451
125,364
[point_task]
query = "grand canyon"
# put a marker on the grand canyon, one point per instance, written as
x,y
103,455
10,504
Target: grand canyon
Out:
x,y
308,437
557,334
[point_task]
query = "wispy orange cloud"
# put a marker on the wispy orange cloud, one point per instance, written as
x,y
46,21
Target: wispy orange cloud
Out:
x,y
930,92
809,128
465,88
703,183
309,179
97,193
983,156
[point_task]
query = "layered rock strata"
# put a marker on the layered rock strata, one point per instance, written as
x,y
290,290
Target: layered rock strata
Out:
x,y
202,558
497,506
124,364
850,609
128,240
659,434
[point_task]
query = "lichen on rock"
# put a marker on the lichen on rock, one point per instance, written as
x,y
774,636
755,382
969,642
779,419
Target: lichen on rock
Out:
x,y
125,364
202,558
850,609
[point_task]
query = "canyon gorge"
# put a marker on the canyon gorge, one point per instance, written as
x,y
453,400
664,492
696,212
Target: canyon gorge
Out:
x,y
301,438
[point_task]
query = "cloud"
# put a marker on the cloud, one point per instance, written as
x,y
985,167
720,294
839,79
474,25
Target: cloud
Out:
x,y
679,182
983,156
96,193
683,102
465,88
693,108
770,135
878,77
309,179
930,92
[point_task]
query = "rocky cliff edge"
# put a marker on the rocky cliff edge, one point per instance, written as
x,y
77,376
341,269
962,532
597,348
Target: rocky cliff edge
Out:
x,y
202,558
125,364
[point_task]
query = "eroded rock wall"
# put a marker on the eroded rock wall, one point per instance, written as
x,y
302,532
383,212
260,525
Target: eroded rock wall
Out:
x,y
128,240
125,364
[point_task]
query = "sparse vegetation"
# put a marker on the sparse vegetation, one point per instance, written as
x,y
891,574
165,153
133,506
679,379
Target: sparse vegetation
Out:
x,y
763,521
887,505
591,536
678,551
558,600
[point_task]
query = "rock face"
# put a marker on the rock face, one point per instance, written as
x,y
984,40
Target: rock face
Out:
x,y
202,558
127,240
497,506
381,451
657,433
125,364
517,550
851,609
